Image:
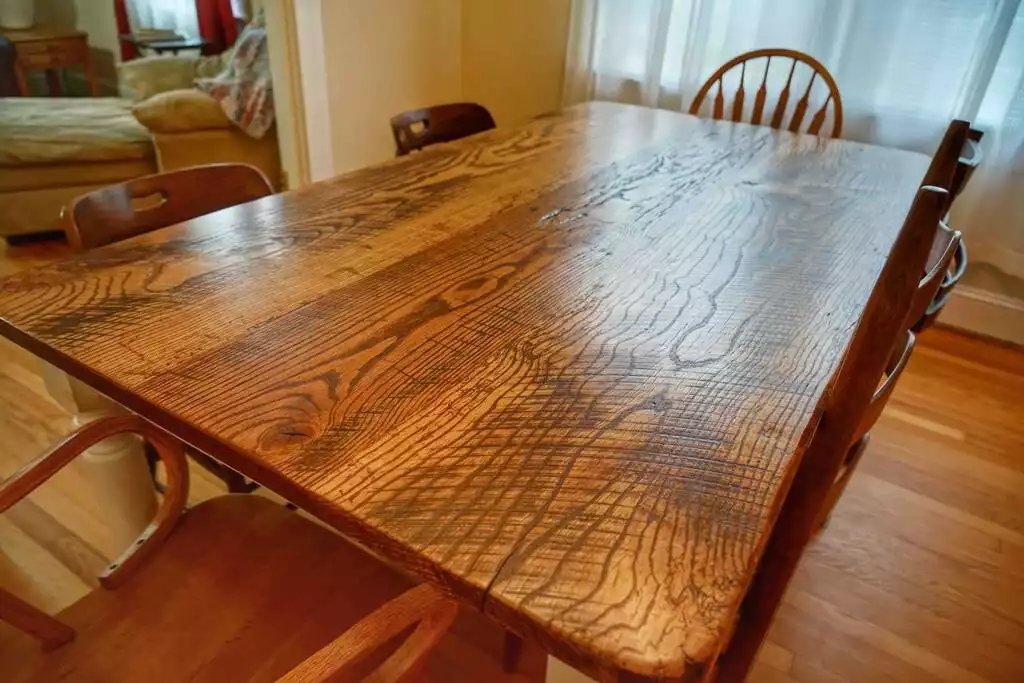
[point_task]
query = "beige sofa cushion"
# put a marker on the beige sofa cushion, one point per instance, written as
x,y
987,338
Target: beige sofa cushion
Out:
x,y
39,176
38,210
71,129
140,79
178,111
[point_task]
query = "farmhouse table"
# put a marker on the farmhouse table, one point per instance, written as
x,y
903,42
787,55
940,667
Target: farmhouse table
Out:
x,y
566,371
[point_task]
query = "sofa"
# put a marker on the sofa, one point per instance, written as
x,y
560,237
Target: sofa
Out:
x,y
55,149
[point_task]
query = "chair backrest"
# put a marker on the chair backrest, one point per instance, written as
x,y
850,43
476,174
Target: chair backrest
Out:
x,y
956,267
848,401
968,161
943,168
893,370
941,255
143,204
787,63
416,129
945,248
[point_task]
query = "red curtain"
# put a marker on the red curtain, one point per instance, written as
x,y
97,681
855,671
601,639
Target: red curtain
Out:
x,y
128,50
216,24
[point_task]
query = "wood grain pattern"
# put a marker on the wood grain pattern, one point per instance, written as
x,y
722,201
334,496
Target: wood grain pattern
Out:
x,y
917,578
563,370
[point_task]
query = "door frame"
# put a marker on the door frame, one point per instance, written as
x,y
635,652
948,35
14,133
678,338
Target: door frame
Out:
x,y
295,37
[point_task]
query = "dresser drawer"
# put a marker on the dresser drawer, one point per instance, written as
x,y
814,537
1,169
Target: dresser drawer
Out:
x,y
43,61
52,53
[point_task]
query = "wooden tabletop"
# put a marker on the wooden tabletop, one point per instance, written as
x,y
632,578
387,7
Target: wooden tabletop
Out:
x,y
563,370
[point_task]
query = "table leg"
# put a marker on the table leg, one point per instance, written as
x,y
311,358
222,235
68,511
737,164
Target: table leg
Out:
x,y
90,74
53,82
21,79
115,469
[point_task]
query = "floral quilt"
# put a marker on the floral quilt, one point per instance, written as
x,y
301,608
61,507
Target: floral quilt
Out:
x,y
244,88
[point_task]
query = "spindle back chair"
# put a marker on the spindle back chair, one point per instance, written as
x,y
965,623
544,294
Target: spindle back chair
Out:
x,y
778,115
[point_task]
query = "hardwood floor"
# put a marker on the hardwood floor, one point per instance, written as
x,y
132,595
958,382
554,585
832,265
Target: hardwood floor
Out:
x,y
919,576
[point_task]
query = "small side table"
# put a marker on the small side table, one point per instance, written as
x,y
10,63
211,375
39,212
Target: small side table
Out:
x,y
51,49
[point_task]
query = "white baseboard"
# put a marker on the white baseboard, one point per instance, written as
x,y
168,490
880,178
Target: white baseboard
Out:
x,y
985,313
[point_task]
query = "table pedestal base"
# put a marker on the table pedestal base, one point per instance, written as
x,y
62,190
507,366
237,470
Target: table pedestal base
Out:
x,y
115,469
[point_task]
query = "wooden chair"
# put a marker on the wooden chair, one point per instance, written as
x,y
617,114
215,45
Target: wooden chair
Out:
x,y
416,129
946,244
950,279
151,202
943,168
847,403
944,248
794,59
237,588
966,164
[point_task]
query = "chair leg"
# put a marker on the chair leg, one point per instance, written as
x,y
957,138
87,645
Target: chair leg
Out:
x,y
511,652
234,481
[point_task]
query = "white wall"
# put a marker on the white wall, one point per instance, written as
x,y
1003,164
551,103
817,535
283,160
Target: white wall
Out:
x,y
95,17
381,58
384,57
513,56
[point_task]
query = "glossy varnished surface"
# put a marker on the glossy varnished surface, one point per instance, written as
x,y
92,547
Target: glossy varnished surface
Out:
x,y
564,369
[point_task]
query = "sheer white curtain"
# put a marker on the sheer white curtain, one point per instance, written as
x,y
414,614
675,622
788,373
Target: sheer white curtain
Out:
x,y
991,211
176,15
904,69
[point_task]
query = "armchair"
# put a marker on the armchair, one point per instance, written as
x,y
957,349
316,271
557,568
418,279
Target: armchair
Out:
x,y
236,588
188,126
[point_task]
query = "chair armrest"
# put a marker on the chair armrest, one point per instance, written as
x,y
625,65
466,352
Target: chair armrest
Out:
x,y
50,632
180,111
30,477
893,370
423,605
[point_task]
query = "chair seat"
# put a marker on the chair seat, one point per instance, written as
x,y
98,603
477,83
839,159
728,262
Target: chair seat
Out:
x,y
273,588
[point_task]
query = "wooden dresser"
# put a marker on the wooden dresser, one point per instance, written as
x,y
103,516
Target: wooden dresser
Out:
x,y
51,49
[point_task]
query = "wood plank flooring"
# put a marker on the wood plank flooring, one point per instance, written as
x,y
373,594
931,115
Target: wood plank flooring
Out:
x,y
919,576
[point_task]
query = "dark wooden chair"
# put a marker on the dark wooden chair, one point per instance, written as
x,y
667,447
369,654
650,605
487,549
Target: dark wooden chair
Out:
x,y
792,60
138,206
944,248
151,202
969,160
852,390
950,279
239,588
416,129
